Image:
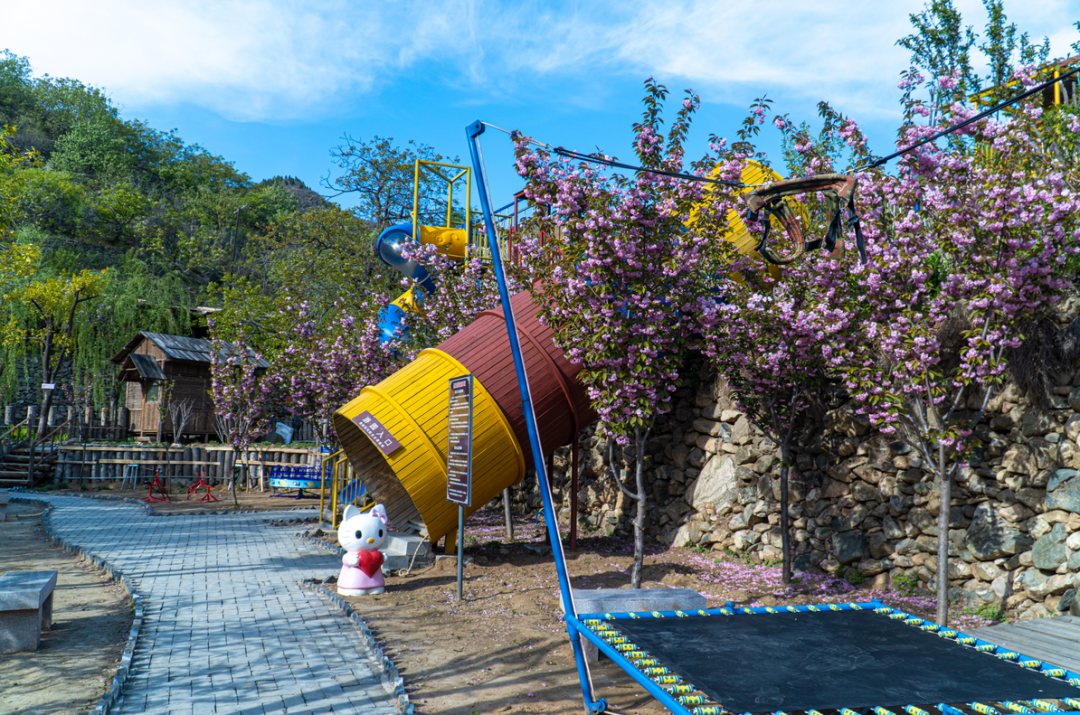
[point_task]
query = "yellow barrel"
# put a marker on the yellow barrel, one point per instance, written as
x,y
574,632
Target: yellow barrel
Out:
x,y
410,409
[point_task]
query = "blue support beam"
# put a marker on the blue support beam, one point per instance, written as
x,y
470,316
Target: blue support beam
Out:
x,y
473,132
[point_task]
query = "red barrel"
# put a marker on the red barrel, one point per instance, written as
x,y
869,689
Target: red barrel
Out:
x,y
561,404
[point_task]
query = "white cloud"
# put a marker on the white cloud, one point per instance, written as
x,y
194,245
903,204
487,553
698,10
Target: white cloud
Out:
x,y
282,59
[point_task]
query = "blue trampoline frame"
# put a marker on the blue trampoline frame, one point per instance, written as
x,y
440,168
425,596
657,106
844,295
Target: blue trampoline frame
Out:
x,y
667,687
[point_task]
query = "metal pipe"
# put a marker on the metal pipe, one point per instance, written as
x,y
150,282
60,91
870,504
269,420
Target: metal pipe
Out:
x,y
473,131
573,492
604,647
460,548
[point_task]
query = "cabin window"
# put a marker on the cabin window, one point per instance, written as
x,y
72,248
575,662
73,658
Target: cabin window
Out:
x,y
152,393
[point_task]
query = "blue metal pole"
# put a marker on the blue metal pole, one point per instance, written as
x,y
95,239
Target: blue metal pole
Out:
x,y
473,131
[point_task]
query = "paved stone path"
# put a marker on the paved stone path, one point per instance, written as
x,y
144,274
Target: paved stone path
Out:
x,y
227,629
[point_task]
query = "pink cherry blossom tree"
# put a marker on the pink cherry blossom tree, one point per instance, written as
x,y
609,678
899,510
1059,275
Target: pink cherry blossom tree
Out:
x,y
764,341
326,359
764,330
621,284
241,409
968,244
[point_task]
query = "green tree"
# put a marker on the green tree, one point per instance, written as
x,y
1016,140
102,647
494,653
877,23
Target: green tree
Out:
x,y
941,45
50,308
380,175
322,257
50,200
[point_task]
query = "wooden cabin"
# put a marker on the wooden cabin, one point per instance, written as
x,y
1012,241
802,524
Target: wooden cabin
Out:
x,y
153,363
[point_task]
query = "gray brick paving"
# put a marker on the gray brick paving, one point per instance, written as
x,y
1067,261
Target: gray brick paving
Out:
x,y
227,628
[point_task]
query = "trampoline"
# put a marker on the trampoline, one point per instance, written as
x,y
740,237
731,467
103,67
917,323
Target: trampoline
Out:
x,y
848,658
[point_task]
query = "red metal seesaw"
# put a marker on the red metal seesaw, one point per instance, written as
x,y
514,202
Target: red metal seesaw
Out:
x,y
161,490
208,497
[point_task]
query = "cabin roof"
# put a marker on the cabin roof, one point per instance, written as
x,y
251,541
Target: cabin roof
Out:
x,y
145,365
175,347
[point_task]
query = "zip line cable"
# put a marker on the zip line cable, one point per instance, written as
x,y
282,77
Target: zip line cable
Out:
x,y
971,120
570,154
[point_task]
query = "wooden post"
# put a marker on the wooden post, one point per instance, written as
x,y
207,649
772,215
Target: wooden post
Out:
x,y
9,415
188,455
507,515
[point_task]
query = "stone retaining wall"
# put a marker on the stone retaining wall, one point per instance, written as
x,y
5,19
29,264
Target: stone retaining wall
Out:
x,y
861,504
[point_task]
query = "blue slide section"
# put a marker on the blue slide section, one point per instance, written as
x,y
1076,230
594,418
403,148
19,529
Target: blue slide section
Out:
x,y
389,247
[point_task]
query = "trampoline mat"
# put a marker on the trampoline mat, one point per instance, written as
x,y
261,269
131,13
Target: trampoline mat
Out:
x,y
829,660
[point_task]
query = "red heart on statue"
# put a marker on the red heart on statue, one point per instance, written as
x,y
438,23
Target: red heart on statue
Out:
x,y
370,561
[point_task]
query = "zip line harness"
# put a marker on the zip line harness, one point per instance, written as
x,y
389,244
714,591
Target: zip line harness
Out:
x,y
839,191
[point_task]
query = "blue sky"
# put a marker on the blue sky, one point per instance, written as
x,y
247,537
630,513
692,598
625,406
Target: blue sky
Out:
x,y
273,84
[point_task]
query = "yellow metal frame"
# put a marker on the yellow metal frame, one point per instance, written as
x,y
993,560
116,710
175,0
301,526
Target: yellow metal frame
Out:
x,y
322,483
479,245
433,167
984,98
340,469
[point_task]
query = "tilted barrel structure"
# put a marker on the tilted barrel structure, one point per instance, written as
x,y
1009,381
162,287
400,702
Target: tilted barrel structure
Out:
x,y
395,433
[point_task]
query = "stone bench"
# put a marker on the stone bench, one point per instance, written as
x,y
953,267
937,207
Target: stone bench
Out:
x,y
26,601
622,600
4,498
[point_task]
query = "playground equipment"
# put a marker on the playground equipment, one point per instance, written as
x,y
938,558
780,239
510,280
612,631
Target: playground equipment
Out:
x,y
294,476
344,487
201,484
394,433
833,657
163,495
449,240
408,474
394,437
849,658
839,191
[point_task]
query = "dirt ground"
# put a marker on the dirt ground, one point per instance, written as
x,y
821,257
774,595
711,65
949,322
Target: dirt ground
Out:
x,y
91,622
180,502
504,648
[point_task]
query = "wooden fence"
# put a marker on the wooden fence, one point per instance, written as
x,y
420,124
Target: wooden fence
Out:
x,y
77,462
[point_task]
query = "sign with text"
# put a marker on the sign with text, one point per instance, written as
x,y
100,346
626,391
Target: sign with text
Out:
x,y
459,447
379,435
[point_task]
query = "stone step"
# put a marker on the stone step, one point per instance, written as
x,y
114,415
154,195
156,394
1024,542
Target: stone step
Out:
x,y
23,468
25,458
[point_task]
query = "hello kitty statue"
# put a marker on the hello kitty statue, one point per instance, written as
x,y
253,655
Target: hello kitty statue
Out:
x,y
362,535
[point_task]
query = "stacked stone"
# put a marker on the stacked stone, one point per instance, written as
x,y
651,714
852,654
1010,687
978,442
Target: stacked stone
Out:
x,y
862,505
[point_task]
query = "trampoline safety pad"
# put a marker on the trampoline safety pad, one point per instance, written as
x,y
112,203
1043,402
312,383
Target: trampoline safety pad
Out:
x,y
747,660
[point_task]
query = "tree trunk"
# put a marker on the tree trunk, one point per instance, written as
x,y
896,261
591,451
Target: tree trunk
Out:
x,y
639,520
945,490
43,416
785,535
230,467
